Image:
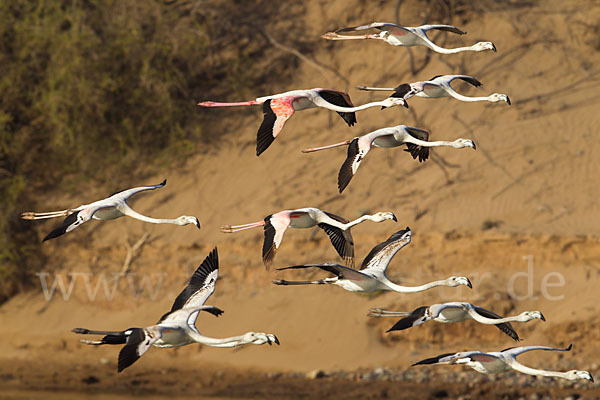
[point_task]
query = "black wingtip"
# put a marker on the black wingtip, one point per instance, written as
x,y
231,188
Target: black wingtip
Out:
x,y
61,230
81,331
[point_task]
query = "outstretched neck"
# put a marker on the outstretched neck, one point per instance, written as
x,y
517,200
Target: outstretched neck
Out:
x,y
493,321
461,97
214,342
134,214
414,289
533,371
358,221
424,143
444,50
325,104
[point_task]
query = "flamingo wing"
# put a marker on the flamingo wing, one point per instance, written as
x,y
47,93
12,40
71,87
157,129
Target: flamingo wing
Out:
x,y
74,220
340,239
138,342
129,192
340,271
201,284
273,231
382,26
351,164
380,256
505,327
402,91
276,112
515,351
414,149
417,317
447,28
449,78
340,99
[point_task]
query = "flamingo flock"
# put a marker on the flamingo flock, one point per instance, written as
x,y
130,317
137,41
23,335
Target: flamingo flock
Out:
x,y
177,327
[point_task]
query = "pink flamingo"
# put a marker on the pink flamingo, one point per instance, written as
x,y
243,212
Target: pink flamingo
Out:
x,y
278,108
336,227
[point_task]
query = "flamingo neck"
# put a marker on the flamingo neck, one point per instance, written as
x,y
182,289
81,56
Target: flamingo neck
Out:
x,y
414,289
214,342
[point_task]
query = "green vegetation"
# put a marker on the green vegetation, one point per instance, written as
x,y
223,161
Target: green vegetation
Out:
x,y
94,88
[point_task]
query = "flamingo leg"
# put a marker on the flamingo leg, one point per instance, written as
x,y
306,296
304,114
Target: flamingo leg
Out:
x,y
312,149
30,215
237,228
336,36
379,312
239,103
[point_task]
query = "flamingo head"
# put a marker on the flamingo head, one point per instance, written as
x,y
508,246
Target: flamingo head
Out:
x,y
529,315
393,101
574,375
454,281
462,143
187,220
481,46
499,97
384,216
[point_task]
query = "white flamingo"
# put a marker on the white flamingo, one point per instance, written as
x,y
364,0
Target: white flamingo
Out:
x,y
178,327
336,227
371,276
415,139
278,108
501,361
437,87
455,312
112,207
397,35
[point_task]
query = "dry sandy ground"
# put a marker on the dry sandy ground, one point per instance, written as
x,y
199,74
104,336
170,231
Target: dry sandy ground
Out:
x,y
531,182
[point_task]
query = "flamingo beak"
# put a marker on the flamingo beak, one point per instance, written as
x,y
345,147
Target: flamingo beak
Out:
x,y
494,47
394,217
474,146
469,283
198,224
542,317
508,100
405,104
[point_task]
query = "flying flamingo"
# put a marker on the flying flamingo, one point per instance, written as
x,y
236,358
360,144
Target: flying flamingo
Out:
x,y
397,35
415,139
278,108
501,361
439,86
178,327
112,207
371,276
455,312
336,227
